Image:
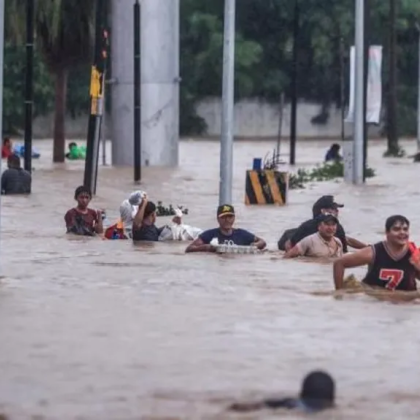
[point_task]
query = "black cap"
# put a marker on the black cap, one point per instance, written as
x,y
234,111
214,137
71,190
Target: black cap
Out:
x,y
225,210
325,202
326,218
318,391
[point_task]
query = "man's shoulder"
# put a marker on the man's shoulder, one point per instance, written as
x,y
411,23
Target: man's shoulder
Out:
x,y
210,231
310,238
10,172
308,223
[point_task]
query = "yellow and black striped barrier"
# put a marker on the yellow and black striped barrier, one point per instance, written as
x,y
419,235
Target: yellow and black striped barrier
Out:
x,y
266,187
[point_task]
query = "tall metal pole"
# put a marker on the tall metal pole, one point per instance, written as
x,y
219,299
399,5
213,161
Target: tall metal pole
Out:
x,y
97,87
1,72
359,118
29,83
418,95
342,89
103,135
366,44
226,149
293,112
137,94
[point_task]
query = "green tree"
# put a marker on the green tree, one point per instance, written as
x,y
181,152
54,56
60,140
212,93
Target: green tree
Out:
x,y
64,35
202,58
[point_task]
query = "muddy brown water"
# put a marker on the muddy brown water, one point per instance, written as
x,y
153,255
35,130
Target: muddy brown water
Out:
x,y
94,329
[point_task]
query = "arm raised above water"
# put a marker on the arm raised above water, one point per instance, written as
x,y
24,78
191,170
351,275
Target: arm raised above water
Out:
x,y
356,259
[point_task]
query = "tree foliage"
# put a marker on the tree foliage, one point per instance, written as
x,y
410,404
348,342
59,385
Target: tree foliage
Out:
x,y
263,53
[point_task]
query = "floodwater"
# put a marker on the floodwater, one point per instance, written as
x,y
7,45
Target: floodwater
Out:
x,y
94,329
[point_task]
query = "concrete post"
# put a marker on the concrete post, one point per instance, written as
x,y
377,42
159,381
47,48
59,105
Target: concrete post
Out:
x,y
159,82
122,88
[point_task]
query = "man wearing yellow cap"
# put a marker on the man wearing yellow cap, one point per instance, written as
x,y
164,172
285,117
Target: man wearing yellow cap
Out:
x,y
225,233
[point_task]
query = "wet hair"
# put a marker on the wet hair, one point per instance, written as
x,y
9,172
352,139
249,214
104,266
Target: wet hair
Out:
x,y
318,388
82,190
14,160
392,220
150,208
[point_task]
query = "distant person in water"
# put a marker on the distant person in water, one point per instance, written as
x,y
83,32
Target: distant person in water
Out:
x,y
333,154
317,393
15,180
225,233
76,152
81,220
6,149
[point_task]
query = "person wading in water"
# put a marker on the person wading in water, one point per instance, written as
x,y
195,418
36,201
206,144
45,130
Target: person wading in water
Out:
x,y
391,263
322,244
81,220
225,233
317,393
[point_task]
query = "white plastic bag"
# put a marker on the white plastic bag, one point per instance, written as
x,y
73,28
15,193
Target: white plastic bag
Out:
x,y
176,232
166,234
179,231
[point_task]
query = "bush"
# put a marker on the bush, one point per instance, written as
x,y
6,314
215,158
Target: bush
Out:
x,y
325,172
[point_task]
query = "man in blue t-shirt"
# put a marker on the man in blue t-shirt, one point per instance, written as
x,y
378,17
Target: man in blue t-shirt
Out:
x,y
225,233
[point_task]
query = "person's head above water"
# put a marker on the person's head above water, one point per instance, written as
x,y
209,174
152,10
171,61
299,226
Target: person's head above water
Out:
x,y
226,216
397,230
326,204
318,391
13,161
327,225
149,216
82,195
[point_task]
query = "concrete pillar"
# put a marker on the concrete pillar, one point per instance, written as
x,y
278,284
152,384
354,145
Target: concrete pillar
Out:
x,y
122,68
160,81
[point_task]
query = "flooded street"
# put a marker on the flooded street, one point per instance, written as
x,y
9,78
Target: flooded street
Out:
x,y
104,330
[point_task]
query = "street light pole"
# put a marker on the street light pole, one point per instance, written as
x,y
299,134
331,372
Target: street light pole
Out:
x,y
418,94
293,111
1,71
226,147
359,118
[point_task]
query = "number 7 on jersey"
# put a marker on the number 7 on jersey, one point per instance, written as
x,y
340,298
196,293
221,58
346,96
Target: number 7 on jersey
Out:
x,y
392,276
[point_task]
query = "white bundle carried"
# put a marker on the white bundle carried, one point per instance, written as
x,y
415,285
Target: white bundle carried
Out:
x,y
178,231
231,248
130,207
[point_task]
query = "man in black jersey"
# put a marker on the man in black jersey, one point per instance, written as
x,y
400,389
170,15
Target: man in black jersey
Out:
x,y
392,265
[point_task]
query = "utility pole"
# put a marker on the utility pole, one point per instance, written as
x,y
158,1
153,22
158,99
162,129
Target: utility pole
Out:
x,y
359,118
366,52
29,100
392,129
293,111
1,72
226,147
97,92
137,93
418,94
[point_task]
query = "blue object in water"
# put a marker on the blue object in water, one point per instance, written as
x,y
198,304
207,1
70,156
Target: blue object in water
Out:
x,y
257,164
19,149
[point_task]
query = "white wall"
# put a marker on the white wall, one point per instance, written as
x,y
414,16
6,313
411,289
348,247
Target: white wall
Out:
x,y
253,118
